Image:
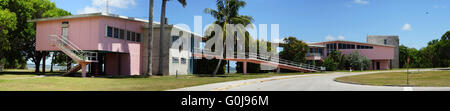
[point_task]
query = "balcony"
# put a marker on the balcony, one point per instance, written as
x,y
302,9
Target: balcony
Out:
x,y
314,56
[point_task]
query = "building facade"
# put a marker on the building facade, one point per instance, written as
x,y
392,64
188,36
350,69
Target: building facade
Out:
x,y
121,43
382,55
387,40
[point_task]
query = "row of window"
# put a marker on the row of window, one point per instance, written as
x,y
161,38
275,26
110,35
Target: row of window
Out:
x,y
364,47
346,46
120,34
176,60
331,47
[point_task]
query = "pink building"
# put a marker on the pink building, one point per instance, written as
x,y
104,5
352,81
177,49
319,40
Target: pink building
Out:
x,y
108,44
381,55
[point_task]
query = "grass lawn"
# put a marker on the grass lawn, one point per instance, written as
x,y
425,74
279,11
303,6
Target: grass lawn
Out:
x,y
19,80
429,79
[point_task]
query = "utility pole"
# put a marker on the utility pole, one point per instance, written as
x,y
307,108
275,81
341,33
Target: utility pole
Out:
x,y
150,38
407,72
107,6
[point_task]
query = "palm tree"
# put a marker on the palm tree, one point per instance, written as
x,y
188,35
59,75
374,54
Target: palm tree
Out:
x,y
150,38
228,13
162,38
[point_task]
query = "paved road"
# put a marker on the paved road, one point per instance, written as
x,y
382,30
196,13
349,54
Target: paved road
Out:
x,y
312,82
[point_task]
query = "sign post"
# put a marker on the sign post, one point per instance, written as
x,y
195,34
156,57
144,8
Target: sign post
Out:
x,y
407,72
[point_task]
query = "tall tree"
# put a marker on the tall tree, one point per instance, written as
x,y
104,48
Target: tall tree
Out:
x,y
294,49
7,24
161,31
23,37
150,38
228,13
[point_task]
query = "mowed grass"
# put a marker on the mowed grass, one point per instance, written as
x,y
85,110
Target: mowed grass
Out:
x,y
421,79
20,81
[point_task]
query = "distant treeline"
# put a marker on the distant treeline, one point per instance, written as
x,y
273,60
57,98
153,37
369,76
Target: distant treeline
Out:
x,y
436,54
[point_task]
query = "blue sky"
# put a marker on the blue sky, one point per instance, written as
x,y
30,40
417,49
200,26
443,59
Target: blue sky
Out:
x,y
415,21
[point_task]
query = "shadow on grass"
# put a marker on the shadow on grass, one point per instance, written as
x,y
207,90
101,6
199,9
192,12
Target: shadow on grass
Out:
x,y
30,73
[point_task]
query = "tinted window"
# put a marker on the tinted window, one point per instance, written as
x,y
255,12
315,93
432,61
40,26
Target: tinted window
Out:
x,y
174,60
116,33
128,35
122,34
183,61
109,31
133,36
138,37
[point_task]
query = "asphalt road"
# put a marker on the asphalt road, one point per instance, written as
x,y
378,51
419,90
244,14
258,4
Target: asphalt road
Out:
x,y
312,82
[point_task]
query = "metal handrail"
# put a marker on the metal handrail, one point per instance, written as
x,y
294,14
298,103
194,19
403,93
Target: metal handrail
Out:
x,y
77,51
273,59
70,44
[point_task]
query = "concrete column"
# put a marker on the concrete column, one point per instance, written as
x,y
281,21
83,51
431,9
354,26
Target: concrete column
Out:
x,y
228,66
278,70
83,69
245,67
119,64
43,63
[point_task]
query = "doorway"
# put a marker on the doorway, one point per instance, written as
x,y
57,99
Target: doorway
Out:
x,y
65,30
378,66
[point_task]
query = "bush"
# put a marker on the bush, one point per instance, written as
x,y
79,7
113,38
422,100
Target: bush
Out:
x,y
330,64
357,61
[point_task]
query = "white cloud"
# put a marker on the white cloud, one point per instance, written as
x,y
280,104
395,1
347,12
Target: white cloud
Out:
x,y
438,6
363,2
89,9
331,38
407,27
114,3
341,37
100,6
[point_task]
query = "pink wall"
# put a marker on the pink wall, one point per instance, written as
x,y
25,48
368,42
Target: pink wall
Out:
x,y
384,64
377,53
89,33
82,31
132,60
115,44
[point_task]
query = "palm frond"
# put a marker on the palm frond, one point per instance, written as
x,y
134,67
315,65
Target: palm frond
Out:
x,y
183,2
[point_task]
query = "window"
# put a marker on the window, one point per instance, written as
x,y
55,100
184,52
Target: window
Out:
x,y
331,47
183,60
364,47
133,36
109,31
122,33
175,38
128,35
116,33
385,42
138,37
346,46
174,60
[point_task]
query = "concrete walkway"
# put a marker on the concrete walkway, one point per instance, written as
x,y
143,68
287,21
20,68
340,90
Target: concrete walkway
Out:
x,y
311,82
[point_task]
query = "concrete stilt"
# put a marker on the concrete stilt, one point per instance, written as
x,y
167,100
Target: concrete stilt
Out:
x,y
245,68
83,69
43,63
278,70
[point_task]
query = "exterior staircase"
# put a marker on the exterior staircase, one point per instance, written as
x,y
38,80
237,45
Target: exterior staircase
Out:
x,y
83,58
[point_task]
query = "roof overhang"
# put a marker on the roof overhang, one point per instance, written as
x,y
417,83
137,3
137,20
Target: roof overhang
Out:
x,y
317,43
155,24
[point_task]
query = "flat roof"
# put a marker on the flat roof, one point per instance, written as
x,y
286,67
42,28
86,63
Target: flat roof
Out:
x,y
106,15
315,43
311,45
